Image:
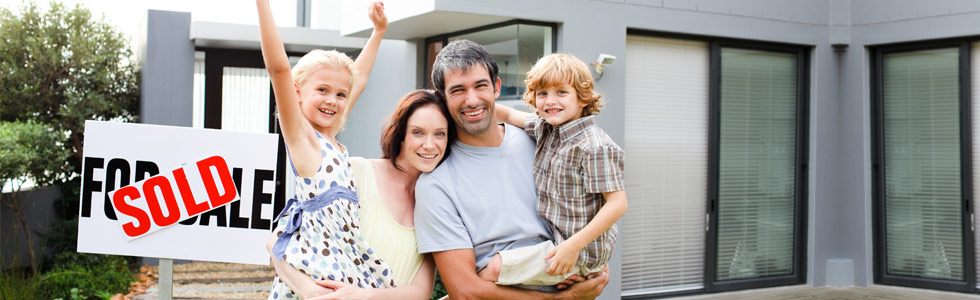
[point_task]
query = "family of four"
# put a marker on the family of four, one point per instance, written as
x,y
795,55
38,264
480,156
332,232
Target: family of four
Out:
x,y
505,204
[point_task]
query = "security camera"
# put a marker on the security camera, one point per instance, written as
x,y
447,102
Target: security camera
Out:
x,y
606,59
603,61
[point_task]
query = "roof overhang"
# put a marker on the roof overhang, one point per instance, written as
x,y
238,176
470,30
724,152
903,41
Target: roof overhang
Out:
x,y
301,40
411,19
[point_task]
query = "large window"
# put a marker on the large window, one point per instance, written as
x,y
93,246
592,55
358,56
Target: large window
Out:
x,y
662,234
716,132
514,45
921,164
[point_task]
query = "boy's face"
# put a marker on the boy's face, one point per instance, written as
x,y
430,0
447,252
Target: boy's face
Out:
x,y
323,98
470,95
558,104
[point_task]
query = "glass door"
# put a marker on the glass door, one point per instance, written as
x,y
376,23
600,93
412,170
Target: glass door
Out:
x,y
921,167
758,168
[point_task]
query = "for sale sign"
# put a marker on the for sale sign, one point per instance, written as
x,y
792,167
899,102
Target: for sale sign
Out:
x,y
177,192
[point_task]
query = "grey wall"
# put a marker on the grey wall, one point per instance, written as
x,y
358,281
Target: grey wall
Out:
x,y
37,206
394,75
167,56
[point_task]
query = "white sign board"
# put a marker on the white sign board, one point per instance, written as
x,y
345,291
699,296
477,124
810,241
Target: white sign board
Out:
x,y
140,163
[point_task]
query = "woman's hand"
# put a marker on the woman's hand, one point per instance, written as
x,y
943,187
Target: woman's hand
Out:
x,y
342,290
377,15
563,258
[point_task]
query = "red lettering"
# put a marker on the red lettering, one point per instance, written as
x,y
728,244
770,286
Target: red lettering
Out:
x,y
119,200
156,212
227,184
193,207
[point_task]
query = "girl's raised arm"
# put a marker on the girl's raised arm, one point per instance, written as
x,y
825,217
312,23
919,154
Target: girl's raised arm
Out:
x,y
296,131
365,61
293,124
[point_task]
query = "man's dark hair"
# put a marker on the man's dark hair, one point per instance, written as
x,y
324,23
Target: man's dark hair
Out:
x,y
461,55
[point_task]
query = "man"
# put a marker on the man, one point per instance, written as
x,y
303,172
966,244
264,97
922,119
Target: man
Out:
x,y
482,198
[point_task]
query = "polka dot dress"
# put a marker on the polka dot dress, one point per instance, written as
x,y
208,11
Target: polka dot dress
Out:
x,y
328,243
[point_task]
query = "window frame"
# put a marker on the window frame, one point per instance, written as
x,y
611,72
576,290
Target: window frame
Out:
x,y
803,52
798,276
881,275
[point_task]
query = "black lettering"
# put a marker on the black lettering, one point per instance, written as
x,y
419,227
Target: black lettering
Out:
x,y
219,213
146,169
122,166
235,219
189,221
280,194
89,184
259,198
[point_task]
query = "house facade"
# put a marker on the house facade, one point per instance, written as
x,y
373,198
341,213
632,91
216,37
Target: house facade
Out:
x,y
769,143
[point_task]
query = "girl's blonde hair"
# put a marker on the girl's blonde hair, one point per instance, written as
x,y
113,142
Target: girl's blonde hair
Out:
x,y
326,59
561,68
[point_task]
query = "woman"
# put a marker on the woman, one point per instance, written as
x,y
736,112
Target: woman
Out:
x,y
414,141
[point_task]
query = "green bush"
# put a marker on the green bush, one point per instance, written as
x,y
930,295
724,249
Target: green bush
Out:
x,y
94,275
61,238
18,284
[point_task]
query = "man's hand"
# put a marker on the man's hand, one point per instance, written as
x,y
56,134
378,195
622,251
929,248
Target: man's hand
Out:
x,y
590,288
563,258
377,15
570,281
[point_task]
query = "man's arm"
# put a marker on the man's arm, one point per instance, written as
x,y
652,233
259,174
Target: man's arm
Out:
x,y
462,282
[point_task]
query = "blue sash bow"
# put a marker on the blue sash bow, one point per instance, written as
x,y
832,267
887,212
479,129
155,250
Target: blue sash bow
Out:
x,y
295,216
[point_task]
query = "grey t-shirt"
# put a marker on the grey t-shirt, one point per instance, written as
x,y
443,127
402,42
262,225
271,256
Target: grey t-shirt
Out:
x,y
482,198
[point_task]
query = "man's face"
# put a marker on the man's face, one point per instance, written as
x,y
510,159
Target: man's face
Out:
x,y
470,95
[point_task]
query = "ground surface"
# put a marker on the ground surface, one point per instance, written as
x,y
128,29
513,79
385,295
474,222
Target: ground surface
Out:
x,y
237,281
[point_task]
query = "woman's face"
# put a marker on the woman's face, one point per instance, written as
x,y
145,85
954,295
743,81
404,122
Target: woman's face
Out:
x,y
425,139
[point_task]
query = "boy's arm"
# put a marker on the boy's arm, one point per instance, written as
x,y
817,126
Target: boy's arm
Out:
x,y
510,116
462,282
365,61
567,252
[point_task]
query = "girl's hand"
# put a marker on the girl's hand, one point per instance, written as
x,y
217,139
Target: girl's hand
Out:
x,y
376,12
342,290
565,256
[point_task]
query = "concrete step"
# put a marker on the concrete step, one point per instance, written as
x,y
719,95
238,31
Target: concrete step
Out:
x,y
206,280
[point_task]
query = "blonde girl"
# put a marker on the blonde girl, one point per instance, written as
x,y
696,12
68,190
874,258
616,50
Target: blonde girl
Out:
x,y
317,233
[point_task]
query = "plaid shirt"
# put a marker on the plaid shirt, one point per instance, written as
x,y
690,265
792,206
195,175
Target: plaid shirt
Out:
x,y
573,165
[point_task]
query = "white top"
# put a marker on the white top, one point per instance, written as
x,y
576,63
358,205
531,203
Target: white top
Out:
x,y
393,242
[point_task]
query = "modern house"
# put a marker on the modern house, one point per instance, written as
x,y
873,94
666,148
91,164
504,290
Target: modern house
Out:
x,y
769,142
